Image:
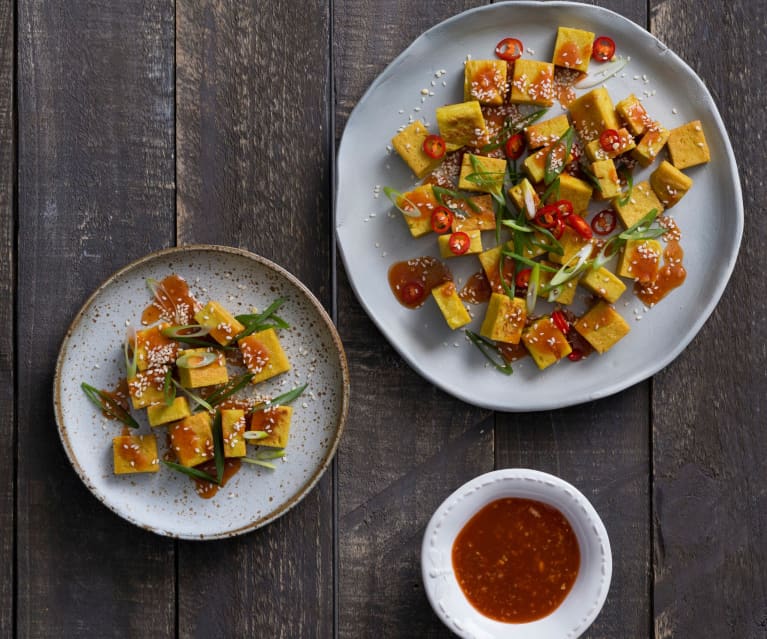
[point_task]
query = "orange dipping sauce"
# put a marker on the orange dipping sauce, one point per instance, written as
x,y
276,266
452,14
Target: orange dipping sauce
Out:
x,y
516,560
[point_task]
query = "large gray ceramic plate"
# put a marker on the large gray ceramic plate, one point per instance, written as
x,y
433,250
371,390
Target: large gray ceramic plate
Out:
x,y
166,502
371,238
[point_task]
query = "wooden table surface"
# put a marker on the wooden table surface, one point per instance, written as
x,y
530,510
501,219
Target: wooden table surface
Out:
x,y
131,126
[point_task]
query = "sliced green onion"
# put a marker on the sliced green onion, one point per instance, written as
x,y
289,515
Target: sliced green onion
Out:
x,y
572,267
607,252
554,294
188,330
527,261
270,454
630,184
255,435
395,197
483,178
440,193
218,447
168,389
551,189
605,72
258,462
230,388
511,127
509,289
260,321
552,246
108,405
197,400
191,472
529,201
552,170
281,400
642,226
196,360
532,288
485,347
130,350
522,228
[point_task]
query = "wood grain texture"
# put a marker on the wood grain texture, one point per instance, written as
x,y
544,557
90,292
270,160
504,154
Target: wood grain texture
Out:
x,y
7,299
95,191
709,439
253,144
407,445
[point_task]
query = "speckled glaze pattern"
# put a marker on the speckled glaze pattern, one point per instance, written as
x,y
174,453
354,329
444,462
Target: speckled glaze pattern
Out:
x,y
582,604
166,502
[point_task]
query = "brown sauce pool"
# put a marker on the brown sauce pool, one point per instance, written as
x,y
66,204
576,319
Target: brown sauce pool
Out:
x,y
411,281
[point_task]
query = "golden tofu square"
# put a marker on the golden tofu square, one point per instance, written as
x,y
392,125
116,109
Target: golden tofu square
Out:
x,y
603,283
482,174
687,145
524,195
195,374
478,214
532,83
650,144
546,132
669,184
640,260
607,177
632,112
460,123
485,81
161,414
545,342
153,349
233,426
418,205
571,243
135,454
146,387
641,201
602,327
450,305
535,163
504,319
275,422
572,49
222,324
567,291
491,265
475,244
576,191
191,439
593,113
623,144
263,355
409,144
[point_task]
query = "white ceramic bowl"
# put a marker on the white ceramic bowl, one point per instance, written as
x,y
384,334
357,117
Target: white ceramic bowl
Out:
x,y
582,604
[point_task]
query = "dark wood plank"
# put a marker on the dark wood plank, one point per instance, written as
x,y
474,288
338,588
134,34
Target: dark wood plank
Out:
x,y
95,191
7,298
407,445
709,504
253,141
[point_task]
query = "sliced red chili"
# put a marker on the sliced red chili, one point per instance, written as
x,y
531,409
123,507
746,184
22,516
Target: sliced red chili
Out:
x,y
576,355
603,49
560,321
580,226
434,146
412,293
563,207
547,217
441,219
609,140
515,146
604,222
509,49
459,243
523,278
559,228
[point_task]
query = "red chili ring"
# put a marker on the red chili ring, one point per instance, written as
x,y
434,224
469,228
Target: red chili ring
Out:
x,y
560,321
580,226
515,146
459,243
509,49
441,220
434,146
609,139
603,49
604,222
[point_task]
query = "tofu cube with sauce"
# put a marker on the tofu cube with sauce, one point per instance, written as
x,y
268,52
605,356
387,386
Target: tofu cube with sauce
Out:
x,y
545,342
687,145
191,439
640,260
572,49
532,83
571,243
535,164
263,355
483,174
478,214
603,283
567,290
641,201
669,183
546,132
475,244
602,327
419,204
632,112
233,425
576,191
650,144
197,376
275,422
491,262
161,414
146,387
460,123
521,192
593,113
135,454
450,305
485,81
222,324
153,349
607,176
409,144
624,144
504,319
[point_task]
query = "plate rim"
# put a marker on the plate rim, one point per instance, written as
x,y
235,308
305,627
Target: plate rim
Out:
x,y
716,294
330,452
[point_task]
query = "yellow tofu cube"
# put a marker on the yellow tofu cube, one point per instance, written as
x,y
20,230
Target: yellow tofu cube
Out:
x,y
146,388
233,427
567,291
485,81
624,144
641,201
409,144
419,204
161,414
275,422
153,349
593,113
545,342
518,192
576,191
460,123
602,327
263,355
669,183
491,264
633,114
532,83
572,49
479,218
505,318
640,260
546,132
535,164
191,439
135,454
450,305
651,143
603,283
571,243
687,145
475,244
607,177
479,173
208,375
222,324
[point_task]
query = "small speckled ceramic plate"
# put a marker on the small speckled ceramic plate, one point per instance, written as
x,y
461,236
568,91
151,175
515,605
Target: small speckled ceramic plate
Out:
x,y
166,502
587,596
